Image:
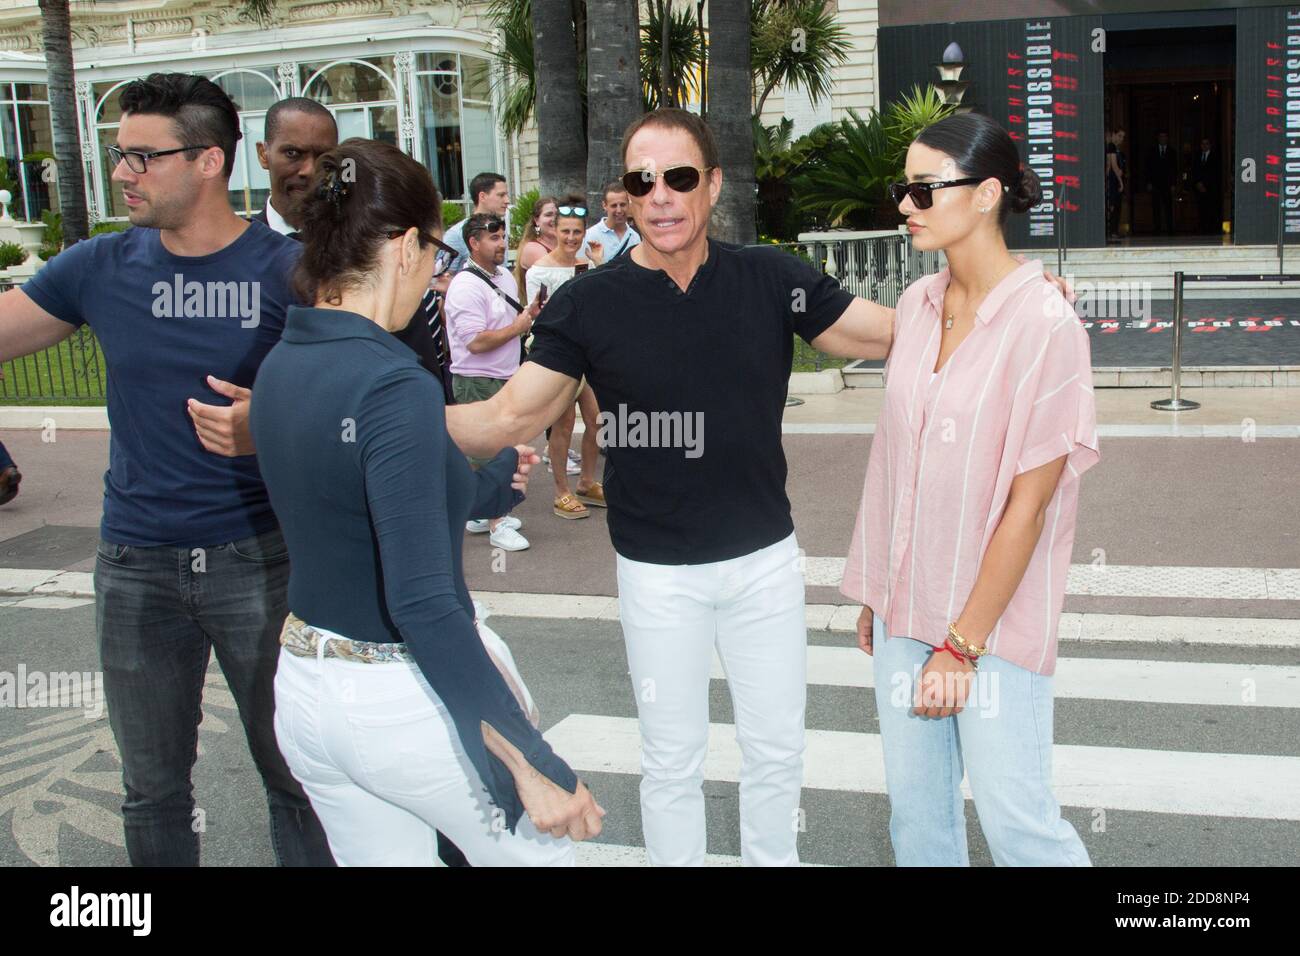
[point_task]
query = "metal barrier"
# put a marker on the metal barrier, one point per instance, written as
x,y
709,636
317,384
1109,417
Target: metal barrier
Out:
x,y
70,372
1175,403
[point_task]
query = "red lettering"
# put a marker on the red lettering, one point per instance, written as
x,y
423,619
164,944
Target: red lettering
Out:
x,y
1065,82
1066,134
1065,109
1071,181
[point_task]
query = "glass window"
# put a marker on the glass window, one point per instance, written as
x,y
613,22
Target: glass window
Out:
x,y
352,123
476,77
425,62
29,91
383,124
250,89
109,112
478,146
36,138
250,184
349,82
439,133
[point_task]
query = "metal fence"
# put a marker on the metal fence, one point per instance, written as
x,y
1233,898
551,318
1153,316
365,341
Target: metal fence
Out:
x,y
71,372
878,268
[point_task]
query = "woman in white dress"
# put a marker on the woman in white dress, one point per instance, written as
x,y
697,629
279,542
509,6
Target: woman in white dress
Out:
x,y
552,271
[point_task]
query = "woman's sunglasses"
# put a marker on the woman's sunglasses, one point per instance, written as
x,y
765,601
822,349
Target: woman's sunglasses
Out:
x,y
445,255
681,179
572,210
920,192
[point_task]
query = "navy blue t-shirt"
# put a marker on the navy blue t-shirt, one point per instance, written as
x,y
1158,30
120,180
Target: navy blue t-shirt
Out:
x,y
165,323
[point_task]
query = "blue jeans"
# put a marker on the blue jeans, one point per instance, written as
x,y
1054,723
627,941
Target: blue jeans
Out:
x,y
159,611
1002,739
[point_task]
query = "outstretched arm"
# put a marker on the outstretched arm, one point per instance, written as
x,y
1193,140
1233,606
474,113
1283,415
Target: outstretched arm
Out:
x,y
865,330
532,399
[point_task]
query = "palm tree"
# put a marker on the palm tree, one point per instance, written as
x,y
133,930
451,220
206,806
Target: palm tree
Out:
x,y
795,43
561,136
56,32
613,88
730,91
681,67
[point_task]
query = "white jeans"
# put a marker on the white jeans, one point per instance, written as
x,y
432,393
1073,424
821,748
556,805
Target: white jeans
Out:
x,y
383,766
752,609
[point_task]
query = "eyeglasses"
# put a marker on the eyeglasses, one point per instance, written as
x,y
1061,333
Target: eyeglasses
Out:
x,y
682,179
920,192
572,210
138,162
445,256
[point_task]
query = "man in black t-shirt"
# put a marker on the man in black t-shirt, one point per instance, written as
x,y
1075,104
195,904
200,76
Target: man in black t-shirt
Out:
x,y
688,344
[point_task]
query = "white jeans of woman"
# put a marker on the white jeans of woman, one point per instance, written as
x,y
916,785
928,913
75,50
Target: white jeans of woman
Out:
x,y
383,766
751,609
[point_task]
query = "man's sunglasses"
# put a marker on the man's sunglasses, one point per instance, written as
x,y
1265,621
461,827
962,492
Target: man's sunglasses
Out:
x,y
138,162
572,210
445,256
491,228
920,192
681,179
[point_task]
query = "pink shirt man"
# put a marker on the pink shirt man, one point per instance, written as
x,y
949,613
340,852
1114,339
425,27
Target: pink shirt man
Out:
x,y
1014,395
472,307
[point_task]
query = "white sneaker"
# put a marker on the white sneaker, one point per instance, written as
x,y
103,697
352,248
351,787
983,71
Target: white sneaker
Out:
x,y
484,525
574,466
508,539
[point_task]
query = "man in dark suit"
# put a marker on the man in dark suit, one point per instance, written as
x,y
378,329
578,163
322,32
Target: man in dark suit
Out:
x,y
1162,177
1207,183
298,131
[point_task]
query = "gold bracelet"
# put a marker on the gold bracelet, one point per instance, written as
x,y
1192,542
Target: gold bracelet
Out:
x,y
965,647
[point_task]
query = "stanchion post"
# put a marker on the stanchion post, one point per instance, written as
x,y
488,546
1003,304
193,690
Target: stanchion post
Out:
x,y
1175,403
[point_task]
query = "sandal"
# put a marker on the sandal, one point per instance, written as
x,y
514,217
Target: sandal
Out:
x,y
570,507
595,495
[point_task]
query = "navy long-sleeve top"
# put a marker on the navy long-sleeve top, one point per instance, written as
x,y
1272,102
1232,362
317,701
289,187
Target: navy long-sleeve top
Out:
x,y
373,496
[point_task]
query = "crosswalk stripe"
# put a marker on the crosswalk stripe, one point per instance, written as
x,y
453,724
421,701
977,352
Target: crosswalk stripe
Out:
x,y
1140,780
1154,682
1136,580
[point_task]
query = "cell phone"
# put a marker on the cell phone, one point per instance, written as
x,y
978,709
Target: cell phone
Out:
x,y
541,296
580,267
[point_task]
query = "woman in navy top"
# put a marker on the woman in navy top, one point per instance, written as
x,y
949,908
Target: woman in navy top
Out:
x,y
389,710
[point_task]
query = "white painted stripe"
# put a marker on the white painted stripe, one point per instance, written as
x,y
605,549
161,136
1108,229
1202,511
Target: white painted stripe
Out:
x,y
1162,430
1153,781
1136,580
1088,678
47,603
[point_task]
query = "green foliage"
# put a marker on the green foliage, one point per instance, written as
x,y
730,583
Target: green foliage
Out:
x,y
796,43
107,226
517,81
53,235
684,50
846,184
452,213
777,163
521,211
11,254
7,180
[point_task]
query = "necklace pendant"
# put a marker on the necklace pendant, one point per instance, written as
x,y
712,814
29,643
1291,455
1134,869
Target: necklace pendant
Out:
x,y
947,324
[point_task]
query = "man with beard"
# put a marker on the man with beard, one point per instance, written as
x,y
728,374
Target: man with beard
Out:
x,y
185,304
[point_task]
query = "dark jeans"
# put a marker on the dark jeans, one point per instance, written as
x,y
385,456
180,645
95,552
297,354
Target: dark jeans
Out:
x,y
158,612
5,460
1162,210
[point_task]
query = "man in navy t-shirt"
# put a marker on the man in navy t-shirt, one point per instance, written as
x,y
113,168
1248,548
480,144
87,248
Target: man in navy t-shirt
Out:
x,y
185,306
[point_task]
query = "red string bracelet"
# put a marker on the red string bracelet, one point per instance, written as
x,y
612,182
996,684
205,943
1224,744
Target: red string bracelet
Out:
x,y
945,646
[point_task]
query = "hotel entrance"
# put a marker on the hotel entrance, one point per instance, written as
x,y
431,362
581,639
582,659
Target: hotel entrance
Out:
x,y
1170,91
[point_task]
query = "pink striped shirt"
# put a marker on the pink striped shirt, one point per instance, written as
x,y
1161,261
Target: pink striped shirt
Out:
x,y
1014,395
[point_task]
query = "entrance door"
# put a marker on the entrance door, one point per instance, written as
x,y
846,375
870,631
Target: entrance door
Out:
x,y
1178,82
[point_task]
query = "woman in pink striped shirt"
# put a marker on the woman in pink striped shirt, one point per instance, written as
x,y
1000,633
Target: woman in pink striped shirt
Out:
x,y
964,534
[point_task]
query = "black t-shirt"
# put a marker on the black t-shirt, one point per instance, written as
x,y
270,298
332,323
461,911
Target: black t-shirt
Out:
x,y
704,372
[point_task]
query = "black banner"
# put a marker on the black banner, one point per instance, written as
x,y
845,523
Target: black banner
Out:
x,y
1041,79
1268,125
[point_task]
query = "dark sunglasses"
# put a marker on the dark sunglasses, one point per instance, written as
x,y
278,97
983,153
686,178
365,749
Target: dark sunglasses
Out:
x,y
445,256
572,210
138,162
681,179
492,228
920,192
